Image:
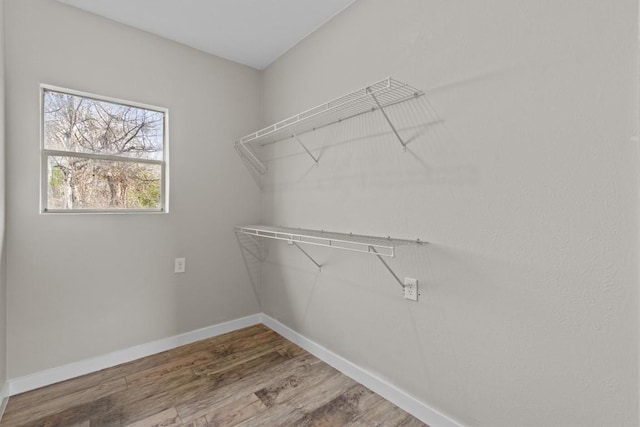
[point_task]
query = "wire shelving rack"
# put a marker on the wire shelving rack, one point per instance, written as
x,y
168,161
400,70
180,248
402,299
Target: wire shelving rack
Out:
x,y
377,246
377,96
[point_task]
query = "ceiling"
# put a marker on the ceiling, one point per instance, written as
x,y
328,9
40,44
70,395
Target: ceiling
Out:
x,y
251,32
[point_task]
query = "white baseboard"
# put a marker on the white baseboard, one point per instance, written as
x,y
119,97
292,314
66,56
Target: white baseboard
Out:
x,y
4,398
390,392
87,366
72,370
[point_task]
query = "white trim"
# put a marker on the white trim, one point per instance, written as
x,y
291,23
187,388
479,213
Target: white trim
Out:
x,y
96,97
4,398
94,156
44,154
390,392
87,366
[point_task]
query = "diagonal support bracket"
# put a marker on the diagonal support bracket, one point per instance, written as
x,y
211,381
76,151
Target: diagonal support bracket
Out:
x,y
384,113
253,240
305,148
372,249
306,254
251,252
251,157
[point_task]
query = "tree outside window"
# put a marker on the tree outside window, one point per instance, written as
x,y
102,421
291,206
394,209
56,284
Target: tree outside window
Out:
x,y
101,155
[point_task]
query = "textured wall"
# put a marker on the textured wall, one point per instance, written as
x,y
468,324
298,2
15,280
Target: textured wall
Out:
x,y
527,192
3,276
85,285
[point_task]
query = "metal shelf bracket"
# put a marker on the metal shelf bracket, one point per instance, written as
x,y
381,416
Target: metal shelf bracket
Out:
x,y
291,242
246,152
387,266
305,148
384,113
251,251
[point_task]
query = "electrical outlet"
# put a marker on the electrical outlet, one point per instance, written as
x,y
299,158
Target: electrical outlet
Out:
x,y
180,265
411,289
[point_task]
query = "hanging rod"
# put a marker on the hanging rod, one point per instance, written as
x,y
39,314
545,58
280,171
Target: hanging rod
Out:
x,y
377,246
377,96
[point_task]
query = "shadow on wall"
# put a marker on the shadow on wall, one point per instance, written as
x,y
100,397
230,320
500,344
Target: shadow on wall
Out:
x,y
254,251
365,149
284,267
251,167
362,141
353,296
358,158
356,153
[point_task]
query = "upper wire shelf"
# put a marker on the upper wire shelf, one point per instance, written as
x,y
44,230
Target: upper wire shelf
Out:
x,y
377,96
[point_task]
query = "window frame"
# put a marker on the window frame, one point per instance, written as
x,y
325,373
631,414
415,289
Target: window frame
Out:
x,y
46,153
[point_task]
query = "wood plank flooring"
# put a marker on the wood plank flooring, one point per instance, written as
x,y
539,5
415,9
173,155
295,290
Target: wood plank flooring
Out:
x,y
250,377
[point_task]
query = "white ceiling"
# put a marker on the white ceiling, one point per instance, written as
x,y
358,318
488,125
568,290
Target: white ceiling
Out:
x,y
251,32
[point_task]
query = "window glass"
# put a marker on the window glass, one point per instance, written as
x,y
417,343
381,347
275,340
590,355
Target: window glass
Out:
x,y
101,155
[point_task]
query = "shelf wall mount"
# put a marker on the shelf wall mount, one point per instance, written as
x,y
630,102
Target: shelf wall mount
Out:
x,y
377,96
380,247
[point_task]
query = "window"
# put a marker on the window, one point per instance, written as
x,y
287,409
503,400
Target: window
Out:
x,y
101,155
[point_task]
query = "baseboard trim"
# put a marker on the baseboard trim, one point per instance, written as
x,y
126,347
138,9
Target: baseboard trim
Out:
x,y
4,398
390,392
87,366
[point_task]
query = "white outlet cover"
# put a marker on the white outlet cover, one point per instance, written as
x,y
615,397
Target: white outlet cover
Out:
x,y
411,289
180,265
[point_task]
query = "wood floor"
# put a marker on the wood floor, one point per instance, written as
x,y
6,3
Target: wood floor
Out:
x,y
250,377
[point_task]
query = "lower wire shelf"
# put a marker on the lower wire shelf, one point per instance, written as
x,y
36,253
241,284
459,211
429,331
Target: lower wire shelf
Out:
x,y
377,246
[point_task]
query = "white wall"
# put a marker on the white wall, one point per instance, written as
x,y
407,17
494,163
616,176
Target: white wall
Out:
x,y
85,285
3,275
527,194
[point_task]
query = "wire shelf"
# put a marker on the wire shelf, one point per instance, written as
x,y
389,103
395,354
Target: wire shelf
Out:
x,y
350,242
370,98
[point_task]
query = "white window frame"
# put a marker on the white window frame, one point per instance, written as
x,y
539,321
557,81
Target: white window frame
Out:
x,y
46,153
